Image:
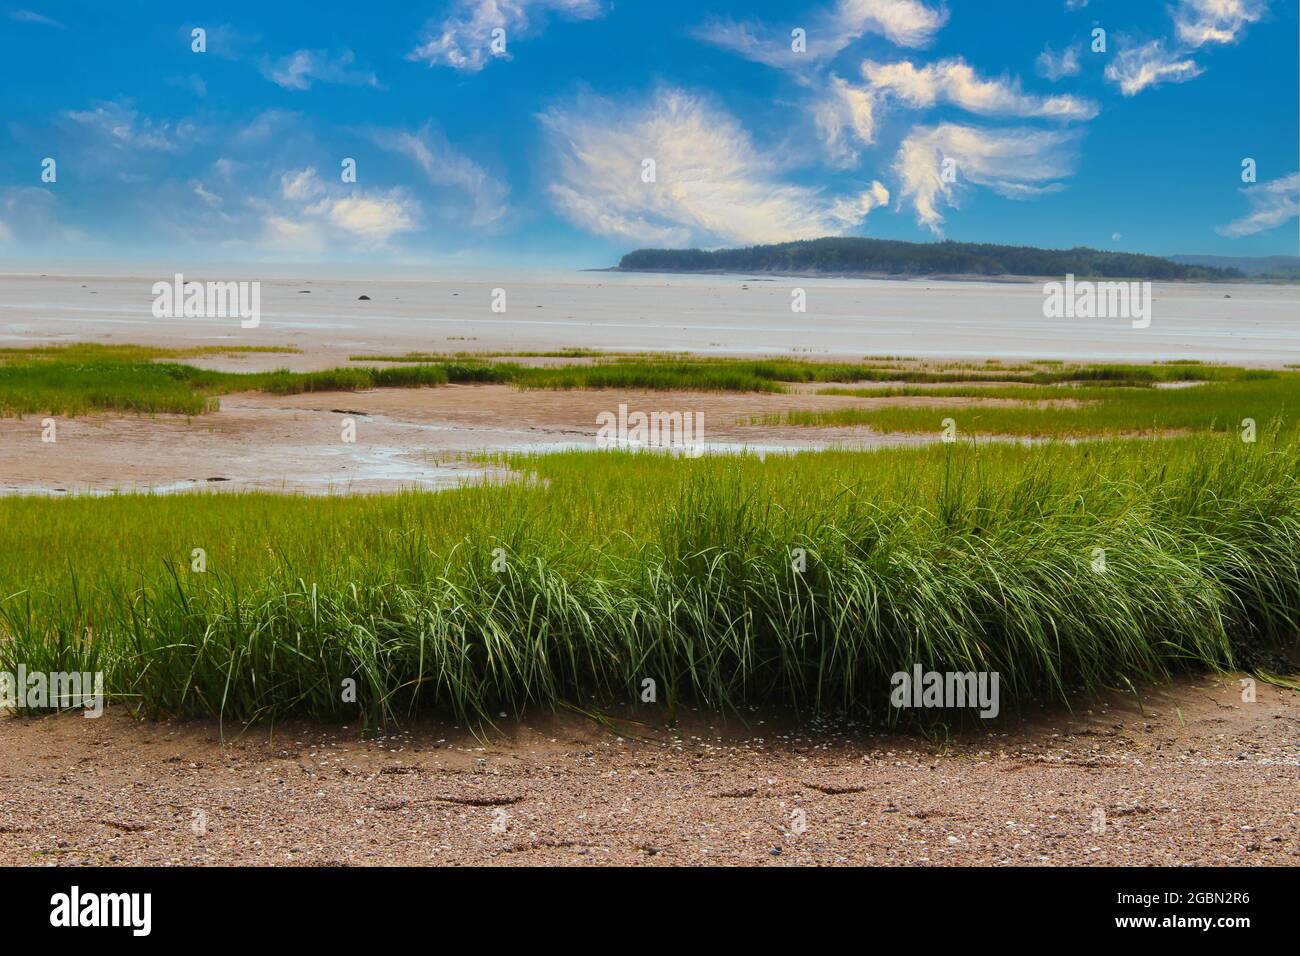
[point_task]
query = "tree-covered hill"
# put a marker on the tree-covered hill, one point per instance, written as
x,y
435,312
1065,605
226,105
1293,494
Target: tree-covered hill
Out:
x,y
888,256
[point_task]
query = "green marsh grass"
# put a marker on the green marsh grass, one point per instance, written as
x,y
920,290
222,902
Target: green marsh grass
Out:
x,y
624,566
68,387
82,378
1059,411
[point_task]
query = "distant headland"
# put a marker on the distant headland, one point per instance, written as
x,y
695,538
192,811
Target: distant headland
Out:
x,y
899,259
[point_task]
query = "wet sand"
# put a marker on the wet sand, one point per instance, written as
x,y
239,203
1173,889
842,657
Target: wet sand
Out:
x,y
1192,776
1243,324
404,438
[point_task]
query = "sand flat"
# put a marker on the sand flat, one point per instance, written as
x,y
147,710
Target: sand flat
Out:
x,y
1242,324
404,438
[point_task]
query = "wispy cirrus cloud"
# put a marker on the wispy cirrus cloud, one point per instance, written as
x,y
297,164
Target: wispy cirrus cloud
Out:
x,y
462,39
907,23
118,126
1017,163
1057,66
262,191
846,116
262,194
760,43
311,210
1271,204
31,16
300,69
1198,22
712,183
954,81
1135,68
903,22
448,169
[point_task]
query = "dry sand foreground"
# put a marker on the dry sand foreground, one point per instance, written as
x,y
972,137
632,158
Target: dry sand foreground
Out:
x,y
1196,776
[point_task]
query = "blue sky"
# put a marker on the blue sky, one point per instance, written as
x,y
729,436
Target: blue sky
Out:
x,y
978,120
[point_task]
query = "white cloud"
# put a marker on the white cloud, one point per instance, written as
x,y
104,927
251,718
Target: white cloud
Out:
x,y
300,69
904,22
304,213
713,184
847,116
1016,163
1056,66
907,23
955,82
372,218
369,217
1135,68
1198,22
463,39
119,126
846,113
301,185
1075,4
1271,204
